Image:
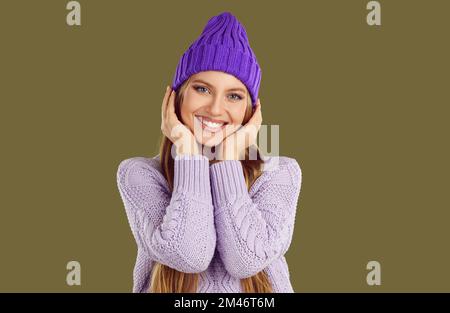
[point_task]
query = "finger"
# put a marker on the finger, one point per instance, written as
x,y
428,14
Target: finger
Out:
x,y
171,104
257,105
258,113
230,129
257,116
164,103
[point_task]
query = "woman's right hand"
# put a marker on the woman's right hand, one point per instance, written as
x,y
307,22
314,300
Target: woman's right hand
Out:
x,y
173,129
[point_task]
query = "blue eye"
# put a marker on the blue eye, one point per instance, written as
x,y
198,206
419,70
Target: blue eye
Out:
x,y
238,97
200,88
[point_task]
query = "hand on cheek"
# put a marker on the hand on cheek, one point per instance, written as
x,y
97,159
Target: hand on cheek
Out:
x,y
233,147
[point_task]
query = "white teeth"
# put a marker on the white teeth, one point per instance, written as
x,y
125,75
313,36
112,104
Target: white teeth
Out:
x,y
211,124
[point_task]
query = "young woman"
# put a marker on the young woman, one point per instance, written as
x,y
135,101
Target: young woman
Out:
x,y
202,223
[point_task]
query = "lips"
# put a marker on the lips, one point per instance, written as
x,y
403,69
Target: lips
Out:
x,y
211,125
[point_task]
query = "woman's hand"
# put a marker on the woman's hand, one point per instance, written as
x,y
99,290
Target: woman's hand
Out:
x,y
173,129
233,147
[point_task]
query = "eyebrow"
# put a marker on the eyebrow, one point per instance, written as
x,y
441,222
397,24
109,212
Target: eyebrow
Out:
x,y
208,84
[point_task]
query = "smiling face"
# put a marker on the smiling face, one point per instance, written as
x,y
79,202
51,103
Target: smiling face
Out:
x,y
214,106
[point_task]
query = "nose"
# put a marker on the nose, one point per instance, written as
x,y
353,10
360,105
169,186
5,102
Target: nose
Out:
x,y
215,108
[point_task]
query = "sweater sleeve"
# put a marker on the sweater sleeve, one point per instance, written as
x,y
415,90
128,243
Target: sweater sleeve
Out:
x,y
174,229
254,231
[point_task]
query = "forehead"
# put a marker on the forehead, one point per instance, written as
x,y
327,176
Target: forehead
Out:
x,y
218,79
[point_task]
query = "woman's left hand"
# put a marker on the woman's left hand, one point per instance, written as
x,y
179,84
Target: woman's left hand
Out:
x,y
233,147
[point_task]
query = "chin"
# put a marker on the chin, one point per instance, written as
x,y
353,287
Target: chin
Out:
x,y
209,142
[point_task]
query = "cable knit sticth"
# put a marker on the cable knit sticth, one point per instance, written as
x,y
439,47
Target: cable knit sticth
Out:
x,y
211,204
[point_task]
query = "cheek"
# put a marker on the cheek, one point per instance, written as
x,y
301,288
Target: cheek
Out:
x,y
237,113
190,105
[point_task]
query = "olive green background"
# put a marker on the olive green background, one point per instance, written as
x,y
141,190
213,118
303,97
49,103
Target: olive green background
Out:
x,y
363,109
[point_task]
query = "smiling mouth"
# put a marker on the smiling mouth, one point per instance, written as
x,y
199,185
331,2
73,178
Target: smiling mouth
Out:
x,y
210,126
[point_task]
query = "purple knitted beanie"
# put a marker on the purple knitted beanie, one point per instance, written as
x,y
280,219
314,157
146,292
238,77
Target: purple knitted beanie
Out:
x,y
222,46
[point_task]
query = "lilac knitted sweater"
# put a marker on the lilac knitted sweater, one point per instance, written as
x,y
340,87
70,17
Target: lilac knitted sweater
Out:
x,y
211,223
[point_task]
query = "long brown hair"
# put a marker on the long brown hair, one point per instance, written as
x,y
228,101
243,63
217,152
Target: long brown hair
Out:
x,y
166,279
